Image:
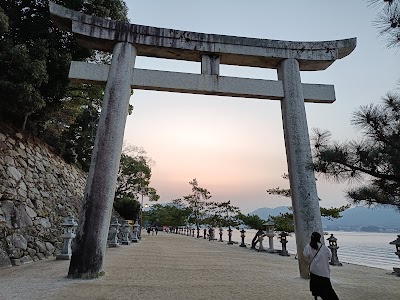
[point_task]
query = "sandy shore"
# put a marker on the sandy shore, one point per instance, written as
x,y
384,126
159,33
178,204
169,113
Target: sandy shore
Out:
x,y
169,266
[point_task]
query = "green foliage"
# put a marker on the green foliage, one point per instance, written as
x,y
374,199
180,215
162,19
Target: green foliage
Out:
x,y
283,222
34,59
196,202
373,160
388,20
134,175
128,208
221,214
333,212
169,214
251,221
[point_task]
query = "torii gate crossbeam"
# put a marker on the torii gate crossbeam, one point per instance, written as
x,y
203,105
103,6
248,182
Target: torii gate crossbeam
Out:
x,y
126,41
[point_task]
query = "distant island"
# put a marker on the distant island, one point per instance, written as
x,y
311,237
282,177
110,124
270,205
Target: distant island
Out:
x,y
377,219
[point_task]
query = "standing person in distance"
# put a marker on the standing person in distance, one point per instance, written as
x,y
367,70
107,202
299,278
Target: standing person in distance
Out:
x,y
318,256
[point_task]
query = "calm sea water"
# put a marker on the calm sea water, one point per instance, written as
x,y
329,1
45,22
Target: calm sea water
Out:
x,y
361,248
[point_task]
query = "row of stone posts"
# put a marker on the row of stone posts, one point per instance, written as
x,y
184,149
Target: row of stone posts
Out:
x,y
127,236
269,232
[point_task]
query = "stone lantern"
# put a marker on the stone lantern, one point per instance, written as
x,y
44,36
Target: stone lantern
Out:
x,y
269,228
135,237
242,236
193,229
68,234
283,241
126,231
230,236
396,242
220,234
114,230
333,246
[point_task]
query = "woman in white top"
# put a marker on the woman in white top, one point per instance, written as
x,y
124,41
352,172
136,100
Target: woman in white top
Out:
x,y
319,256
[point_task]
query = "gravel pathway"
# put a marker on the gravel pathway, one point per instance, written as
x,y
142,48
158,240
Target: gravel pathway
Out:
x,y
169,266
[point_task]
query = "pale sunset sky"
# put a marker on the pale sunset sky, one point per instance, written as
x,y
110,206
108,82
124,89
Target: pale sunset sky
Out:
x,y
234,146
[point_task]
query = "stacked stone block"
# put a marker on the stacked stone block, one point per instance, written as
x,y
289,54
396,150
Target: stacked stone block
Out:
x,y
37,191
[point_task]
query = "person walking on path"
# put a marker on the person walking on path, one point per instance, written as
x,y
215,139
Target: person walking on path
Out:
x,y
156,230
318,256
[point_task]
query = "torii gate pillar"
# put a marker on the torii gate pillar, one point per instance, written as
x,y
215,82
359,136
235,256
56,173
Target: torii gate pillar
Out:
x,y
91,238
306,211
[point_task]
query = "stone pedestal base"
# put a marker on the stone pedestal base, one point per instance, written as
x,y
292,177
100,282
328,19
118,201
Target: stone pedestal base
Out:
x,y
21,261
63,257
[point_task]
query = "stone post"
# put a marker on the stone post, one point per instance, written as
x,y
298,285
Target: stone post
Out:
x,y
69,227
242,235
126,231
307,216
220,234
230,236
114,230
284,241
135,237
91,239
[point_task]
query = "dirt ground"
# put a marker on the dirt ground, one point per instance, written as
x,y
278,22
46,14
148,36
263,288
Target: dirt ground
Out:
x,y
169,266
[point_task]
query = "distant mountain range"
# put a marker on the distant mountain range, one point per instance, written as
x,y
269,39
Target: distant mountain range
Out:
x,y
352,218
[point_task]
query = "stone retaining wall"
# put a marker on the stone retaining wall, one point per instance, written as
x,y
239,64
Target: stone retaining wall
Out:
x,y
37,190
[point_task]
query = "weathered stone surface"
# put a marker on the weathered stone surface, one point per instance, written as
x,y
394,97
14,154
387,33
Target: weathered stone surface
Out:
x,y
4,259
23,219
9,211
103,34
31,213
43,222
41,246
8,160
22,162
19,241
14,173
11,140
14,253
40,166
21,152
49,247
31,252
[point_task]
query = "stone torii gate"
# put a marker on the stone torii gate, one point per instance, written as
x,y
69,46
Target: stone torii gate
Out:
x,y
126,41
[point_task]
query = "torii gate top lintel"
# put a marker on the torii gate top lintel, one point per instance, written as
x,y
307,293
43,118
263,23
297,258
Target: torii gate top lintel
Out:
x,y
102,34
